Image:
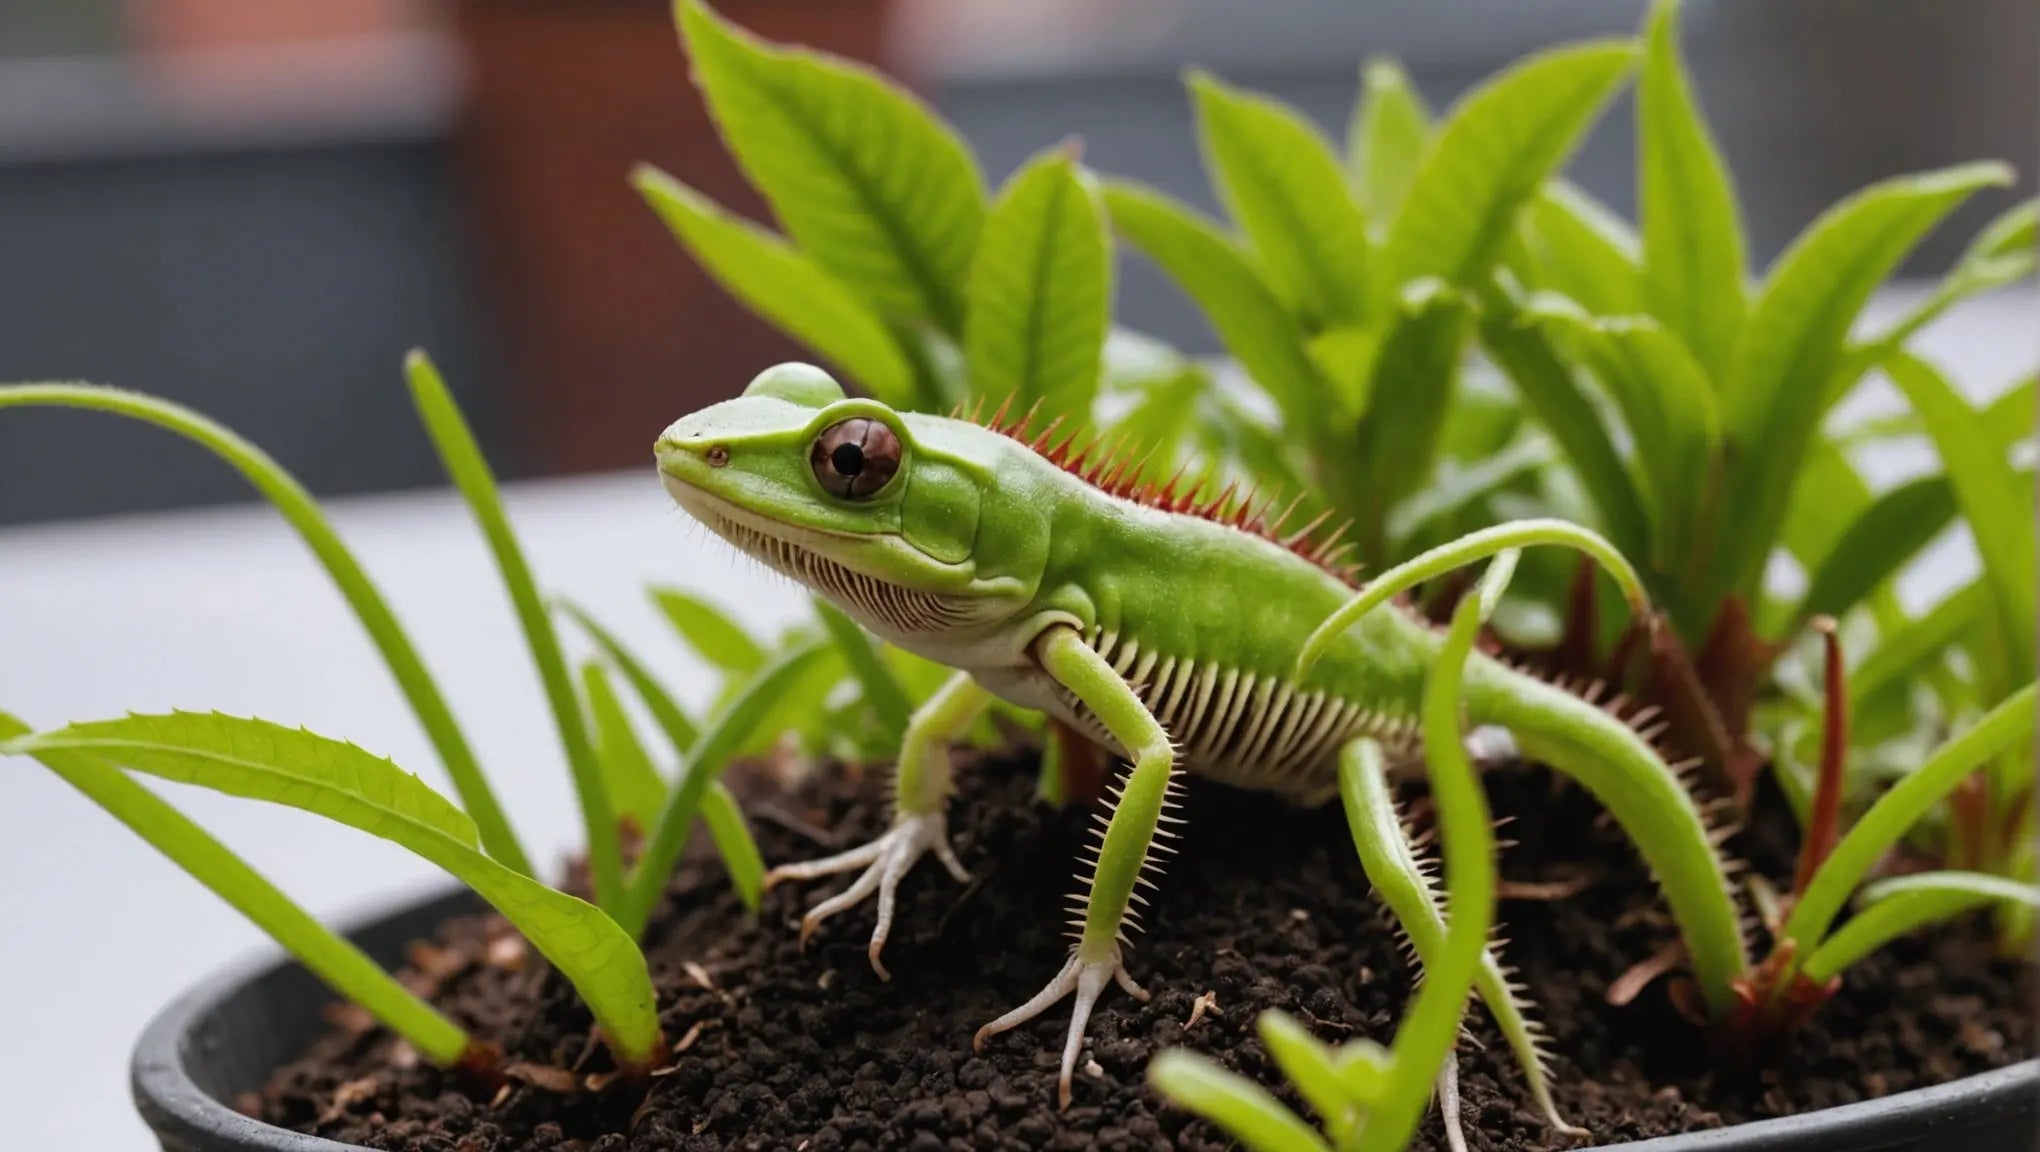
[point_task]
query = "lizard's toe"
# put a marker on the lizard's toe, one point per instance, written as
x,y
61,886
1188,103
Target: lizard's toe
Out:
x,y
885,861
1086,978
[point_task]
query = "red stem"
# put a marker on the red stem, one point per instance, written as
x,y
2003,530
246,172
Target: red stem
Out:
x,y
1822,821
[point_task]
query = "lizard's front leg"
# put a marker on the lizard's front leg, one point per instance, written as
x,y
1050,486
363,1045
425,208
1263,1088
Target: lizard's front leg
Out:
x,y
920,819
1128,842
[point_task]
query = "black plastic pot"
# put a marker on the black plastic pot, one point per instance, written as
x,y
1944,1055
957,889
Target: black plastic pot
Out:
x,y
225,1036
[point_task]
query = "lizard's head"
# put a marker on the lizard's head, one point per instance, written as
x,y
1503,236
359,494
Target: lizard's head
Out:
x,y
876,510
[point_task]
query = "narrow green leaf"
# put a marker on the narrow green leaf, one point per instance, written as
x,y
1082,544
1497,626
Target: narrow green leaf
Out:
x,y
1995,502
263,761
1877,544
2008,725
1900,655
1245,1110
1407,889
1693,259
671,717
1583,251
1425,1038
1905,904
865,178
1386,137
1311,1068
888,701
1776,389
1458,488
633,784
1498,146
344,968
1040,292
1668,403
1560,403
306,518
1414,373
1163,418
1249,318
727,732
733,842
2003,253
1280,180
709,631
462,458
774,279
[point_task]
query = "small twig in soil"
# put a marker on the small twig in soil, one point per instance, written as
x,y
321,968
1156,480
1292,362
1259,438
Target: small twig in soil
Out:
x,y
1545,891
1641,974
1205,1002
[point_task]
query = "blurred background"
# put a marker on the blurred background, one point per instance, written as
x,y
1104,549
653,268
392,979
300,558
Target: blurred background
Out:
x,y
256,207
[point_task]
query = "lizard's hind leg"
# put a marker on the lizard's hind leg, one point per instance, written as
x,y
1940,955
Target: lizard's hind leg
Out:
x,y
920,819
1123,854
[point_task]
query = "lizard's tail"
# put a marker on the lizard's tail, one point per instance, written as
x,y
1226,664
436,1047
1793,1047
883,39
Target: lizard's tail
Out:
x,y
1644,794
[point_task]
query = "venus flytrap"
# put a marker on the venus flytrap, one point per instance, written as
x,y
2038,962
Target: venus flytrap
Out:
x,y
1370,1098
257,760
322,951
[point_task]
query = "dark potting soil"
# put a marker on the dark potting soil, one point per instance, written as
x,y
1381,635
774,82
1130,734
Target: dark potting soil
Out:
x,y
1265,908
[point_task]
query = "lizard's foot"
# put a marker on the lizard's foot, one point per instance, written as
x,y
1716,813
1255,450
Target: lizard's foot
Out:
x,y
1085,978
884,861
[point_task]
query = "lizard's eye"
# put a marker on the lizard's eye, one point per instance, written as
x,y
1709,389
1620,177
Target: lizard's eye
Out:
x,y
855,458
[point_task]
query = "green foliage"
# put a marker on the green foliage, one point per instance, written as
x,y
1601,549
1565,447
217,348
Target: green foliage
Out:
x,y
780,283
1371,1099
309,521
1386,138
1040,292
340,964
258,760
865,179
470,473
1903,905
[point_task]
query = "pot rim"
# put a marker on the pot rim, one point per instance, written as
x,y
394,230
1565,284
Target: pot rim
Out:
x,y
179,1112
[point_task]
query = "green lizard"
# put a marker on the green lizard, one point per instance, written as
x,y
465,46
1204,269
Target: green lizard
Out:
x,y
1168,631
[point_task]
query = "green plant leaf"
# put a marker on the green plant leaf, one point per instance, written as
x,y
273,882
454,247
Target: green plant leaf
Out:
x,y
2001,254
1425,1038
303,514
1995,502
867,180
263,761
724,734
1311,1068
1249,318
671,717
2004,727
633,784
1496,148
1583,251
1405,885
462,458
709,631
1414,373
1386,137
1245,1110
1877,544
1281,182
888,701
733,842
1776,389
1900,655
344,968
1040,292
1693,259
1561,405
1903,905
1456,489
774,279
1667,402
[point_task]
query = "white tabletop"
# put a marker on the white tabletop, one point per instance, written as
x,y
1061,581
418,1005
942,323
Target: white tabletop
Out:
x,y
223,609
